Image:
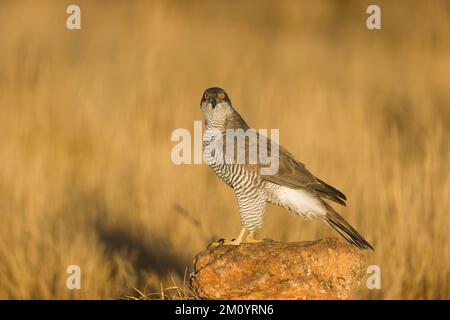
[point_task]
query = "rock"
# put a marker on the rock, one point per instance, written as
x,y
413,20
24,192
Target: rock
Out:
x,y
322,269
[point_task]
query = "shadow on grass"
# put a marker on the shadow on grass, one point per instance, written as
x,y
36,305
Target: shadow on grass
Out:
x,y
147,258
150,253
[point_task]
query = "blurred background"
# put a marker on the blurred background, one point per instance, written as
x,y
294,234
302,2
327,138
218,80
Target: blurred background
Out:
x,y
86,116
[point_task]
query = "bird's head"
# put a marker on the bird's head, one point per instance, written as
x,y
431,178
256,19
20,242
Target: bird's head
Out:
x,y
215,105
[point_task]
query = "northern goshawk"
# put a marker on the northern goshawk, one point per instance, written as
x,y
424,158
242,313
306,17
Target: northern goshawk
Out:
x,y
292,186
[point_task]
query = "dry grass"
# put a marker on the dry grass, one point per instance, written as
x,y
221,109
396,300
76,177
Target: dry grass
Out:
x,y
86,118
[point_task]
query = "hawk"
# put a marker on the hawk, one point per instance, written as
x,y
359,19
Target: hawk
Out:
x,y
292,186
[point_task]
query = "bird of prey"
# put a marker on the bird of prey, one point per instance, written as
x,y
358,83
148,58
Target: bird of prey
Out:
x,y
292,186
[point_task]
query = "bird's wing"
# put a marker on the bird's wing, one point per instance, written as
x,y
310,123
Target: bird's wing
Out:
x,y
293,174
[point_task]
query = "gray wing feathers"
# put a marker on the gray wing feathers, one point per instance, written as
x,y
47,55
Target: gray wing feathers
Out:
x,y
292,173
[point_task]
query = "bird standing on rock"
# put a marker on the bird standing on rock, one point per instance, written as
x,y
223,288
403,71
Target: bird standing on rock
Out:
x,y
292,186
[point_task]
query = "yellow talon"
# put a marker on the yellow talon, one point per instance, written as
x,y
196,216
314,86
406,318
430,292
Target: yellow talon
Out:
x,y
234,242
214,244
251,239
222,242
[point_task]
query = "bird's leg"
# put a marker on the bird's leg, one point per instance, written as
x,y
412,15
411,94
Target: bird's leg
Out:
x,y
234,242
250,238
237,241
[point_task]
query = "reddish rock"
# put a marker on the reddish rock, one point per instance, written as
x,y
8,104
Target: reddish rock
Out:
x,y
322,269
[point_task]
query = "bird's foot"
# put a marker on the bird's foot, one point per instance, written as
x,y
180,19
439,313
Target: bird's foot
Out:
x,y
233,242
251,239
225,242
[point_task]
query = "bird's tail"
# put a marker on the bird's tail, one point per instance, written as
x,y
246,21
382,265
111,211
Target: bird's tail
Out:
x,y
345,229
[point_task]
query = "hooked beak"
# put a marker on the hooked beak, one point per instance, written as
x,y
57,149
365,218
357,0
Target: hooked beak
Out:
x,y
213,102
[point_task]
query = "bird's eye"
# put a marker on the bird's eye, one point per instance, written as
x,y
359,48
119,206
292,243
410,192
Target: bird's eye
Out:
x,y
206,95
221,95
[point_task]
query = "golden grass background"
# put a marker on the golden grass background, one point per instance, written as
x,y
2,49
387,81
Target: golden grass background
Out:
x,y
86,117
